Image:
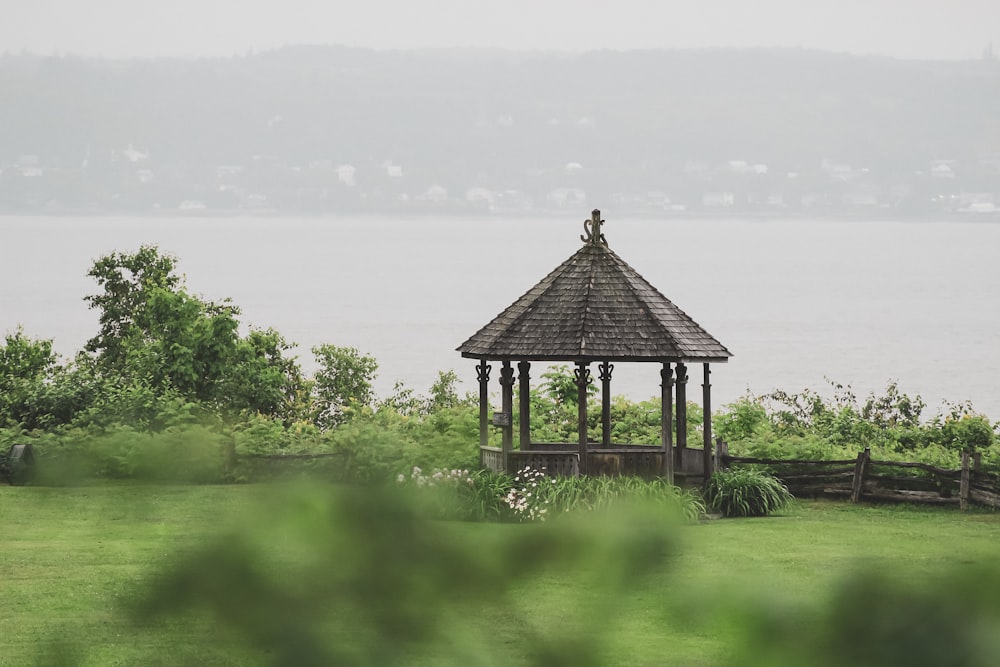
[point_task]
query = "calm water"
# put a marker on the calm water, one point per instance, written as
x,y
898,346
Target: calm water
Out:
x,y
795,301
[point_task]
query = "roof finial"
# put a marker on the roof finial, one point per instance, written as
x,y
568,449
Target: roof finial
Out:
x,y
593,228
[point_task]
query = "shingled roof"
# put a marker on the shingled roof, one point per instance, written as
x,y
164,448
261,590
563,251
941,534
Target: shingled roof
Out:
x,y
594,307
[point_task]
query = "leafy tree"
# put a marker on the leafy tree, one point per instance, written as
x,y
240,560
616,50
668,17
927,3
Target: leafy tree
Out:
x,y
343,383
444,392
127,281
25,364
560,385
262,379
155,334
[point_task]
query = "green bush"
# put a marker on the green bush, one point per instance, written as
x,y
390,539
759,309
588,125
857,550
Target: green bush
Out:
x,y
745,492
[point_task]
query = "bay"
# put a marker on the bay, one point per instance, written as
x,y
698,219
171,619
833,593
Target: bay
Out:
x,y
797,302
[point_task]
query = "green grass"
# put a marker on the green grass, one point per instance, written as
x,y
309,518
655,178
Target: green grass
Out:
x,y
73,560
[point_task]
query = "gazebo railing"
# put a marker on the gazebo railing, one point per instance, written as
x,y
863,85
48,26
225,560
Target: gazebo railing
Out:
x,y
561,459
557,464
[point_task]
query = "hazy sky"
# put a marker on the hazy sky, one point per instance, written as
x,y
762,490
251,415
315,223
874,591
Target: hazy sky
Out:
x,y
949,29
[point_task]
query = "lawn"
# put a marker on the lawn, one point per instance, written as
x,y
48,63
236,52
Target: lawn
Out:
x,y
79,567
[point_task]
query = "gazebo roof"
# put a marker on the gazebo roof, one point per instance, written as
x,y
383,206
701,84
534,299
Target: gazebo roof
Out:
x,y
594,307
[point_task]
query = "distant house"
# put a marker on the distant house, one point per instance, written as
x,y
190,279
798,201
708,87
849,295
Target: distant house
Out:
x,y
345,175
479,195
567,197
943,169
860,198
718,199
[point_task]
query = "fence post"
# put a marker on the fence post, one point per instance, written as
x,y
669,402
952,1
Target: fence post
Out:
x,y
963,489
721,450
859,474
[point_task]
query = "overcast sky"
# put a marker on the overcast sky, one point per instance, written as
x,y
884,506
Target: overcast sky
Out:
x,y
935,29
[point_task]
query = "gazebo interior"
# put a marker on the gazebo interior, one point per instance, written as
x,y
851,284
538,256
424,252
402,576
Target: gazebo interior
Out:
x,y
594,310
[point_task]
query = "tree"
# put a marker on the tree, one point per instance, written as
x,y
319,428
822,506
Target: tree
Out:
x,y
343,383
262,379
25,364
128,281
154,333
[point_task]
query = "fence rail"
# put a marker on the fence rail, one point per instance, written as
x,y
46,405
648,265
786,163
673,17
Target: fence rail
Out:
x,y
865,478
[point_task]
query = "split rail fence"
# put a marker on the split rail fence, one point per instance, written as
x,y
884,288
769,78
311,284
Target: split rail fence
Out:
x,y
865,478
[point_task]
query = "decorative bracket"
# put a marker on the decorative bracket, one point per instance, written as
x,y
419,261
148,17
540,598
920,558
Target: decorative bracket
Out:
x,y
483,372
605,372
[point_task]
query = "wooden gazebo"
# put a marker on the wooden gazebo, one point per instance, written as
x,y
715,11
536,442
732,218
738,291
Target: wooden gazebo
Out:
x,y
594,308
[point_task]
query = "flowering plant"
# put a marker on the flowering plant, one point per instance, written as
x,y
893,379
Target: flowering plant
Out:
x,y
528,499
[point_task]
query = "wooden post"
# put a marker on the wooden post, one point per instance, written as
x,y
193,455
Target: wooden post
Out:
x,y
963,489
524,405
507,406
721,451
859,475
706,392
605,377
666,420
582,374
483,375
682,416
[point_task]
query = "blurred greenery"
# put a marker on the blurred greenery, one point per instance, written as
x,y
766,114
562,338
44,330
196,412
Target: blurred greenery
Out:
x,y
123,574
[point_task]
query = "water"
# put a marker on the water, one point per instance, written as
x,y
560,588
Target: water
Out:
x,y
796,302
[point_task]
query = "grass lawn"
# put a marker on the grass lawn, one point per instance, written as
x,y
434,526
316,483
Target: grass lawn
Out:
x,y
73,559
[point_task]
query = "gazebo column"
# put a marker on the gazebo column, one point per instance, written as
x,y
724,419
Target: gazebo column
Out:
x,y
483,375
507,406
582,375
706,394
666,419
682,416
524,405
605,377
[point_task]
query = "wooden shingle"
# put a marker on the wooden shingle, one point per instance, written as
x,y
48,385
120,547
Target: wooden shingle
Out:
x,y
594,307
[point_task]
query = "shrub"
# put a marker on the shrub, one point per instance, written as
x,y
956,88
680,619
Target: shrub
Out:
x,y
745,492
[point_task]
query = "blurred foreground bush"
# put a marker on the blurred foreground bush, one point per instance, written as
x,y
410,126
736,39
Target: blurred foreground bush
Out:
x,y
324,576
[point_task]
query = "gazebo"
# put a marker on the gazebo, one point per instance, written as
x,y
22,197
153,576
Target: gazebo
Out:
x,y
594,309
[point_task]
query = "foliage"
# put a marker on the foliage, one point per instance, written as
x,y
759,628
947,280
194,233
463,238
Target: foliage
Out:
x,y
356,566
262,379
808,425
745,492
876,618
25,365
127,281
84,559
528,499
531,495
560,386
342,384
441,493
155,334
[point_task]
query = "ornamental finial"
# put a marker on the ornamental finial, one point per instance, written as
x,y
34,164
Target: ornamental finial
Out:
x,y
593,228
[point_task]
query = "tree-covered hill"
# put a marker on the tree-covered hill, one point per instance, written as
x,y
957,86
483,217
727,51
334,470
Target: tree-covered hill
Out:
x,y
500,120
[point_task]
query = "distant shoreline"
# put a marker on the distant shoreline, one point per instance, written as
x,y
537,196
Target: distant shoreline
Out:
x,y
750,216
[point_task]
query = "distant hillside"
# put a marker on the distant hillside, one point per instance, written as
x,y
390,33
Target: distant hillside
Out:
x,y
499,119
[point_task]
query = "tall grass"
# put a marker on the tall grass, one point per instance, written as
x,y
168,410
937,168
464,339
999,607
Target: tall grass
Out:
x,y
745,492
530,495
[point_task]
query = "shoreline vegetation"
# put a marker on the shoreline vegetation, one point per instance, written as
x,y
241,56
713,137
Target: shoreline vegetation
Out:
x,y
170,388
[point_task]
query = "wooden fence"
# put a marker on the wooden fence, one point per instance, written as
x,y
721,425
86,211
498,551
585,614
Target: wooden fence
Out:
x,y
865,478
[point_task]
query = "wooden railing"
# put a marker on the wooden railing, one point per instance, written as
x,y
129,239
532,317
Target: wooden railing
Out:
x,y
865,478
563,459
